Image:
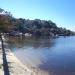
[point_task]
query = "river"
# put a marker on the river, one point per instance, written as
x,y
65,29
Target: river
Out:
x,y
53,55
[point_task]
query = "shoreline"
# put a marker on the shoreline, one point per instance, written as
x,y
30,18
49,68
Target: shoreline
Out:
x,y
15,65
22,69
1,62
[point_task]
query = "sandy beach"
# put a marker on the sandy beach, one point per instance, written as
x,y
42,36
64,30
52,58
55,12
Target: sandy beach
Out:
x,y
15,66
1,62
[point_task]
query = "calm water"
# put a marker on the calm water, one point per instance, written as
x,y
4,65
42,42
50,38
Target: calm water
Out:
x,y
56,56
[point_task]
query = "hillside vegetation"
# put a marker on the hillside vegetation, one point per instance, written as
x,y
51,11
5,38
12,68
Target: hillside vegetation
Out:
x,y
9,24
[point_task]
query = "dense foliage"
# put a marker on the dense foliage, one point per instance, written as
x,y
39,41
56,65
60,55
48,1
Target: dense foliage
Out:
x,y
36,27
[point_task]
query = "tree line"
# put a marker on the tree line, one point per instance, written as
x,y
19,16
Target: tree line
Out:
x,y
9,24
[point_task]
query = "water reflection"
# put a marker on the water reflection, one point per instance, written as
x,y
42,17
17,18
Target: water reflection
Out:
x,y
56,56
61,60
34,42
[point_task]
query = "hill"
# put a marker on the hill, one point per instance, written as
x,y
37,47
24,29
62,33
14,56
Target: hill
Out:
x,y
9,24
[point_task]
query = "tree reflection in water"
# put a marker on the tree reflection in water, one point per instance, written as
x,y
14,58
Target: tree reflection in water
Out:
x,y
34,42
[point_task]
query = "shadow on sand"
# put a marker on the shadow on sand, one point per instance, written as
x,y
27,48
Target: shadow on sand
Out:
x,y
5,63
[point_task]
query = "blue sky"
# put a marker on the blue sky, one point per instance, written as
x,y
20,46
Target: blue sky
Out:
x,y
62,12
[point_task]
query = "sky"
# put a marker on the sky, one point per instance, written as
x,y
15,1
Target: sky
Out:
x,y
62,12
